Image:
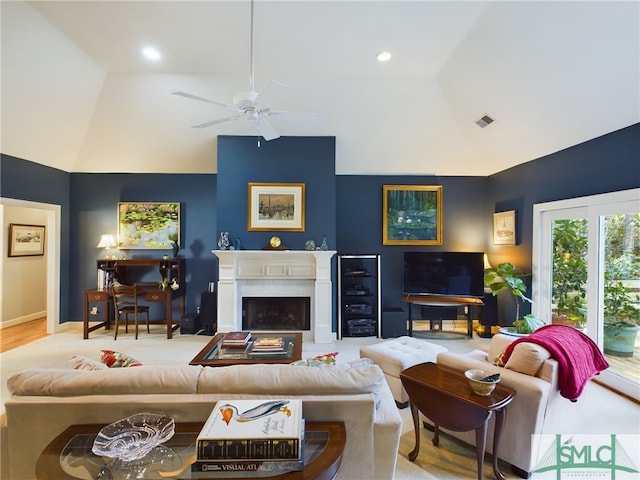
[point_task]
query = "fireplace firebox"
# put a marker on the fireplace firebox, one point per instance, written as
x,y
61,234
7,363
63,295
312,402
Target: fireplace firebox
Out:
x,y
276,313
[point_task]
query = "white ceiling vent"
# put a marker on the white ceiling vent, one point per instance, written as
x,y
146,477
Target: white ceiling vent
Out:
x,y
484,120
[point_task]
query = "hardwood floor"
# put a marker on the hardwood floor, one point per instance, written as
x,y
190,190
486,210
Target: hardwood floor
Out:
x,y
13,337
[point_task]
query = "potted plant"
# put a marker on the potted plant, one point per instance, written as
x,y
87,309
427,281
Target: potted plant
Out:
x,y
569,273
621,317
505,278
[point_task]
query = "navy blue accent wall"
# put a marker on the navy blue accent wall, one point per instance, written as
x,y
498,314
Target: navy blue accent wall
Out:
x,y
94,200
605,164
348,209
25,180
359,221
308,160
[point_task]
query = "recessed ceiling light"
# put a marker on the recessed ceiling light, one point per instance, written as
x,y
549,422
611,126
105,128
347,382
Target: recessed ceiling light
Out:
x,y
151,53
383,56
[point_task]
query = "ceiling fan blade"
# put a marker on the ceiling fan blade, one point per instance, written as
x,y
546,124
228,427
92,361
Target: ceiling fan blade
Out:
x,y
297,116
215,122
267,87
202,99
266,130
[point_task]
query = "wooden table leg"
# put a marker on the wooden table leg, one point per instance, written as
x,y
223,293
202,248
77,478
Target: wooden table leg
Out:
x,y
169,312
481,443
416,427
85,316
497,432
436,435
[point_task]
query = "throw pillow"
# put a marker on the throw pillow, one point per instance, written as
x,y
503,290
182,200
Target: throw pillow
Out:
x,y
117,360
527,358
325,360
499,360
80,362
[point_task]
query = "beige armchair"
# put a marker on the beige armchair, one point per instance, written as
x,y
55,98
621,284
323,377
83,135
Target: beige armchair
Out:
x,y
537,407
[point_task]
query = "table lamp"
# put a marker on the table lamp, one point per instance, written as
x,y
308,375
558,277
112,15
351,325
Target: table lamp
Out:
x,y
107,242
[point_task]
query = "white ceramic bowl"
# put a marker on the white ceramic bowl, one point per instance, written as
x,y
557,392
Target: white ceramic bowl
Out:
x,y
479,387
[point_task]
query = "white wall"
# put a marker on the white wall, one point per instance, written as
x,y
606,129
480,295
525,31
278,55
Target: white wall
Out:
x,y
24,279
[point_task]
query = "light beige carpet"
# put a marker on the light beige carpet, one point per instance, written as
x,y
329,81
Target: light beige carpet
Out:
x,y
55,351
450,460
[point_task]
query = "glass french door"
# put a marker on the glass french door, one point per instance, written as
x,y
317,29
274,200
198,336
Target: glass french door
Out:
x,y
586,273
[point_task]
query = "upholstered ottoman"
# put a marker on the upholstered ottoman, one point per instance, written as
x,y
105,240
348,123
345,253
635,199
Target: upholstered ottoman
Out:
x,y
395,355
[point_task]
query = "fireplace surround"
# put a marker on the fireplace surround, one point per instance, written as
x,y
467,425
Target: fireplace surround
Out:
x,y
273,273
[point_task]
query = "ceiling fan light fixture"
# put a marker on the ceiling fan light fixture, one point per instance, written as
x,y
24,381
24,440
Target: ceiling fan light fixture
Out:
x,y
383,56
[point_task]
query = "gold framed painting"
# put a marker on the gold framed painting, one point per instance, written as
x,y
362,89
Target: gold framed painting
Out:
x,y
276,207
412,215
504,228
148,225
26,240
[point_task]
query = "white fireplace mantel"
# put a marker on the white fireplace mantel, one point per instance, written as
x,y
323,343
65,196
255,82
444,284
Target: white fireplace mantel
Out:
x,y
276,273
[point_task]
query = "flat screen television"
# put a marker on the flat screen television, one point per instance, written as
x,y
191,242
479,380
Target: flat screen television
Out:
x,y
455,274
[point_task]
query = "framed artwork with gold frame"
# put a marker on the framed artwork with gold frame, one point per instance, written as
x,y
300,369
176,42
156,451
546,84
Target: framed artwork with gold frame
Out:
x,y
276,207
412,215
148,225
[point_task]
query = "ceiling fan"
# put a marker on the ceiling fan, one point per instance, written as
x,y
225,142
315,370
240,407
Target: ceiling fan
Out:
x,y
247,105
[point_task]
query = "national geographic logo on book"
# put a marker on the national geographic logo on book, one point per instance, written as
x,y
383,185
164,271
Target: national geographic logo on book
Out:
x,y
606,457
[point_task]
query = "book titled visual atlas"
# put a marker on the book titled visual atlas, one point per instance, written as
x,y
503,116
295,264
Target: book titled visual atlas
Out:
x,y
252,430
274,467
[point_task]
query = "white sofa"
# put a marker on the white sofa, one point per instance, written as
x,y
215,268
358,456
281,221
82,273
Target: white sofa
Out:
x,y
46,401
537,408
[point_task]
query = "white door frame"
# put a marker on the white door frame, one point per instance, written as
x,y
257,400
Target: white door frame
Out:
x,y
53,257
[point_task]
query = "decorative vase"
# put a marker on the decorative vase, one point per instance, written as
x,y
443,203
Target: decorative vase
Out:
x,y
223,242
620,341
237,244
176,248
324,245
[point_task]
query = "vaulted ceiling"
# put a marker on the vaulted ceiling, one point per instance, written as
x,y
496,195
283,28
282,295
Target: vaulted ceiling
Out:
x,y
77,95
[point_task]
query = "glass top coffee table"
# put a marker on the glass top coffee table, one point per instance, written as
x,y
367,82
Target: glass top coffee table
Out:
x,y
212,355
69,456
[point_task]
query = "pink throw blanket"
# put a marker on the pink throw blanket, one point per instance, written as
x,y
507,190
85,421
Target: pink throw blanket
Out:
x,y
578,357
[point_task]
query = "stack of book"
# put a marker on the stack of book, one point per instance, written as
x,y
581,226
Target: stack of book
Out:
x,y
252,436
268,345
236,340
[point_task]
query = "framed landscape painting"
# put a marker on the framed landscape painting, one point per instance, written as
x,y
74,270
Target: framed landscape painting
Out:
x,y
276,206
148,225
412,215
26,240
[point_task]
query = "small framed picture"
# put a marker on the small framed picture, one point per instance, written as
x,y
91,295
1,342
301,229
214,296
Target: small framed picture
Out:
x,y
276,206
504,228
26,240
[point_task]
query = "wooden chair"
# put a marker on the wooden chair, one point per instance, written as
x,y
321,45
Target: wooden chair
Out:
x,y
125,299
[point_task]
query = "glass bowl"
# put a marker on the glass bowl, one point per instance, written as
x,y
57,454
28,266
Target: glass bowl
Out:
x,y
133,437
479,384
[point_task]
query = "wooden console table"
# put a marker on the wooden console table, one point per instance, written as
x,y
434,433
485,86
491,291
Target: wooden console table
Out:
x,y
324,442
445,397
123,270
444,301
